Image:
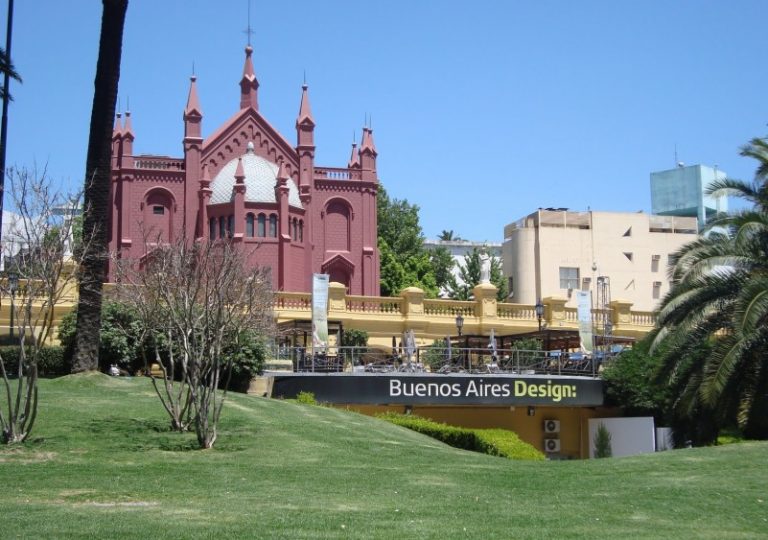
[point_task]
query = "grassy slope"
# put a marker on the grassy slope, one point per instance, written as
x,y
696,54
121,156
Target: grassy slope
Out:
x,y
104,465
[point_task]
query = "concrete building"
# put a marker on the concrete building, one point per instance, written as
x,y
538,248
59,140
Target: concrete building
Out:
x,y
245,183
553,252
681,192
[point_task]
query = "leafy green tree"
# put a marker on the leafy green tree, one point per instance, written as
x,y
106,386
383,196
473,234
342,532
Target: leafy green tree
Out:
x,y
404,261
630,383
720,298
469,276
442,265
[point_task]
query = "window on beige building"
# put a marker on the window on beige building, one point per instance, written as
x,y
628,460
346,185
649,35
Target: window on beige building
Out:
x,y
569,277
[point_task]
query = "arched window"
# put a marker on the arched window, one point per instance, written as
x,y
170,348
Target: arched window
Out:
x,y
231,226
337,228
295,229
273,225
222,227
262,226
301,230
212,225
249,225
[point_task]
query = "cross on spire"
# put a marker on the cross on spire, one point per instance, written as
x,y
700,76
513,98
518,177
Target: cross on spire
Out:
x,y
249,31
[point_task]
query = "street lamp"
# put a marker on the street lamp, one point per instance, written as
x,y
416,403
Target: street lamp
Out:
x,y
13,285
539,307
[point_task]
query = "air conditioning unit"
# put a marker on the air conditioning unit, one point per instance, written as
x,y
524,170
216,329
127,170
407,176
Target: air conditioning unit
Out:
x,y
656,257
657,284
551,445
551,426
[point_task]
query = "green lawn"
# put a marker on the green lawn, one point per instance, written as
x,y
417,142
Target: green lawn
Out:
x,y
104,465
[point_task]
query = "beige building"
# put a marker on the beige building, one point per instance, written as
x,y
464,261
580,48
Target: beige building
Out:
x,y
554,252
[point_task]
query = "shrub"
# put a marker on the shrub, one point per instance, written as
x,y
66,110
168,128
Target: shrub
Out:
x,y
52,362
119,341
602,442
248,357
307,398
505,443
495,442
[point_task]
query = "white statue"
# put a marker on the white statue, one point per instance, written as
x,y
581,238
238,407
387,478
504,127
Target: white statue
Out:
x,y
485,268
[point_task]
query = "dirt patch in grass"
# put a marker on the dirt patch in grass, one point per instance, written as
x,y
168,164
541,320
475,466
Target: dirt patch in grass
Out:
x,y
27,457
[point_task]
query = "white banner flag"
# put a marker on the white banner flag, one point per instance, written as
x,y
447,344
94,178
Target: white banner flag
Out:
x,y
584,312
320,312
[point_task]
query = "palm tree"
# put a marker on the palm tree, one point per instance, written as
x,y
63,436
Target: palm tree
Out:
x,y
720,298
6,67
97,183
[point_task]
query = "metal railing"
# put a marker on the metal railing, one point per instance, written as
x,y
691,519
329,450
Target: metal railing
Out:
x,y
435,360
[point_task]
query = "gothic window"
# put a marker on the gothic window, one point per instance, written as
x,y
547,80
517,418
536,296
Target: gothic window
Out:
x,y
301,230
249,225
212,225
295,229
273,225
231,226
262,227
222,227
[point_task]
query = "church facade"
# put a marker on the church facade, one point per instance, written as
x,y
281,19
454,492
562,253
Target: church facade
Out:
x,y
245,183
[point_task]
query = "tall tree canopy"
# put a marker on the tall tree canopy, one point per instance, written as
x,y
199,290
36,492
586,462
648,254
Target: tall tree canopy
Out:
x,y
404,261
720,299
97,183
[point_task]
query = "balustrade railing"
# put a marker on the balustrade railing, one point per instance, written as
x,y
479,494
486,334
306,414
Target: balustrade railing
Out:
x,y
369,304
335,173
158,163
448,308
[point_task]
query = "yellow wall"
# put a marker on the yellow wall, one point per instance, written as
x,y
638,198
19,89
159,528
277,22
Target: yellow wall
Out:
x,y
574,430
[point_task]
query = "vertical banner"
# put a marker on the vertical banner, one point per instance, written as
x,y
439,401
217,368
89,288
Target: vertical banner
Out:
x,y
319,312
584,312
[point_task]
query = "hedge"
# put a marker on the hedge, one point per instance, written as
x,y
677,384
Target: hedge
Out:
x,y
52,362
495,442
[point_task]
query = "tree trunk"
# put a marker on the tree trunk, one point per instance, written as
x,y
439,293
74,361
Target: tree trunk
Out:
x,y
97,185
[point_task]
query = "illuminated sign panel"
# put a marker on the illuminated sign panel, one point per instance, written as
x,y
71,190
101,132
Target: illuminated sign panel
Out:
x,y
443,390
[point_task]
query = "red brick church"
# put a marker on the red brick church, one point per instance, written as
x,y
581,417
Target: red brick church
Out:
x,y
245,183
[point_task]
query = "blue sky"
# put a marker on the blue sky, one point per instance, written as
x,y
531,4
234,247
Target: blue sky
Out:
x,y
482,111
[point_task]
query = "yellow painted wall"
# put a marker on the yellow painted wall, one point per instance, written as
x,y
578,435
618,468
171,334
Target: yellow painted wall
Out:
x,y
574,431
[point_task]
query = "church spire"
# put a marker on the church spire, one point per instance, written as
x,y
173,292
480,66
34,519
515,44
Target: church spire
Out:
x,y
367,143
193,102
305,111
249,85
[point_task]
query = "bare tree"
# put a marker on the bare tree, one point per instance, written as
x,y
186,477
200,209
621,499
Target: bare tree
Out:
x,y
195,300
39,274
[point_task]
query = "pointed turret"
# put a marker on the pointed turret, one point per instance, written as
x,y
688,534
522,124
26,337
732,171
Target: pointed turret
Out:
x,y
193,102
368,155
354,158
117,142
367,143
193,113
305,111
239,172
126,151
249,85
117,132
305,140
193,166
282,175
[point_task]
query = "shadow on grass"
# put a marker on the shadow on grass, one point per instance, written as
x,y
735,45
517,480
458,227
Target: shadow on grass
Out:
x,y
141,434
